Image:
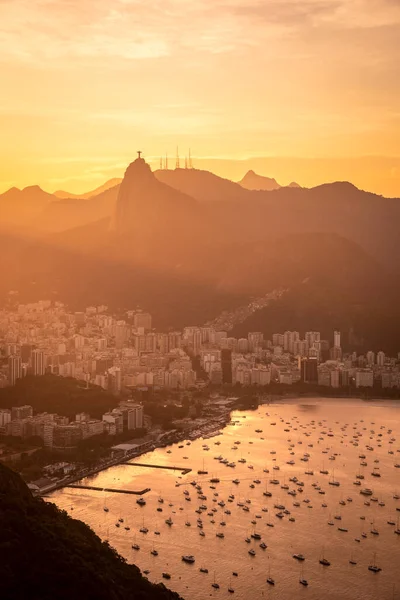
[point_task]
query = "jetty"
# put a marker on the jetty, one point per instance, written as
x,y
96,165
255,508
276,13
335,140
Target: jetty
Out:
x,y
103,489
183,470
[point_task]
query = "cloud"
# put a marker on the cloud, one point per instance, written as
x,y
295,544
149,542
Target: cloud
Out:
x,y
55,30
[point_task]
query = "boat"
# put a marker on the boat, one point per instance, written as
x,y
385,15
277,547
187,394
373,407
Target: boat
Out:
x,y
324,561
166,575
299,557
141,501
302,580
169,521
366,492
252,552
214,584
203,570
374,567
135,546
188,558
270,580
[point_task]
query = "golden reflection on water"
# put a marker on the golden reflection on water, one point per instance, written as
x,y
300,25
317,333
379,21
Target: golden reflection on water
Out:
x,y
309,534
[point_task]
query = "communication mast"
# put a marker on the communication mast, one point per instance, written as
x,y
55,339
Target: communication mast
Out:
x,y
177,162
190,160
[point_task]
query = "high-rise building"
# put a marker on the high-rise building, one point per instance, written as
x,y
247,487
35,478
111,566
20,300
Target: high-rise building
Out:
x,y
312,337
142,319
121,334
5,417
255,339
114,380
14,369
21,412
38,365
336,338
226,365
289,338
380,359
26,352
364,378
371,357
309,370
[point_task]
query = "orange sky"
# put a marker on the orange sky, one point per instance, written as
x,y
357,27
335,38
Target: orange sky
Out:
x,y
305,90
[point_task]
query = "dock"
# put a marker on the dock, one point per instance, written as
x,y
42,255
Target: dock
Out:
x,y
102,489
183,470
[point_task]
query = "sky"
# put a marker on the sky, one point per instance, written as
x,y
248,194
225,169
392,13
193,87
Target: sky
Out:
x,y
304,90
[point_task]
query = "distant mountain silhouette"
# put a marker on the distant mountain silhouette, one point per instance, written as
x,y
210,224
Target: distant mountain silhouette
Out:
x,y
102,188
63,214
203,185
186,244
18,206
253,181
145,201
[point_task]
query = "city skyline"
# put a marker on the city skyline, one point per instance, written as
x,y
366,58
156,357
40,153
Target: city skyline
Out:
x,y
303,90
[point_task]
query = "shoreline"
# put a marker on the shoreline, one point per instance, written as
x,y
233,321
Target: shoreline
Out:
x,y
208,431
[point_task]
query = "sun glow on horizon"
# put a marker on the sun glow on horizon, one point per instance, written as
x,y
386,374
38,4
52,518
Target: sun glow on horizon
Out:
x,y
304,90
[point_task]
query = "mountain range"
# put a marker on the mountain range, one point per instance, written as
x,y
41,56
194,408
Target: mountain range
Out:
x,y
253,181
187,244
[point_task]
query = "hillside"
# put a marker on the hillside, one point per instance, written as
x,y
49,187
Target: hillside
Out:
x,y
46,555
63,395
203,185
102,188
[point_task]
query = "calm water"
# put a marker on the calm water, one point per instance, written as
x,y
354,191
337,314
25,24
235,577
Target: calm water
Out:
x,y
320,428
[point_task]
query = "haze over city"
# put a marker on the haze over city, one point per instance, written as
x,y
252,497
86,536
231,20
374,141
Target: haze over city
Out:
x,y
199,299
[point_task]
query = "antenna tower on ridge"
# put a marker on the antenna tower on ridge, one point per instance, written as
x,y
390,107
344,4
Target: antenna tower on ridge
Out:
x,y
166,160
177,165
190,160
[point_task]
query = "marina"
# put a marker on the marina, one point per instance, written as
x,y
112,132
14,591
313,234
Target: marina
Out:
x,y
242,534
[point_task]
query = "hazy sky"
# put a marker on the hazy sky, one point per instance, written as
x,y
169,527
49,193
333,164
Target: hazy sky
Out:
x,y
85,83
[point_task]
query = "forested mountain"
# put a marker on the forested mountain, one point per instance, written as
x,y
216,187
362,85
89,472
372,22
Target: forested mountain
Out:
x,y
46,555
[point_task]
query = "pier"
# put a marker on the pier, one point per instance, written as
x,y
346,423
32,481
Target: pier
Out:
x,y
184,470
101,489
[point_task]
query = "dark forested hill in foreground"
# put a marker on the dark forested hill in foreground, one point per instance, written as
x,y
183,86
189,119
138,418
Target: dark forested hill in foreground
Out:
x,y
46,555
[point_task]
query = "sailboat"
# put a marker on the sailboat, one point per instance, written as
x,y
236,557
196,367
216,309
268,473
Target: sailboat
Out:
x,y
270,580
215,585
230,588
135,546
374,567
105,506
333,480
266,492
202,471
324,561
397,530
352,561
302,580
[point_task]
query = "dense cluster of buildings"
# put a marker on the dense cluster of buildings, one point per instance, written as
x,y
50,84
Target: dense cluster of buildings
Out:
x,y
58,432
127,353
